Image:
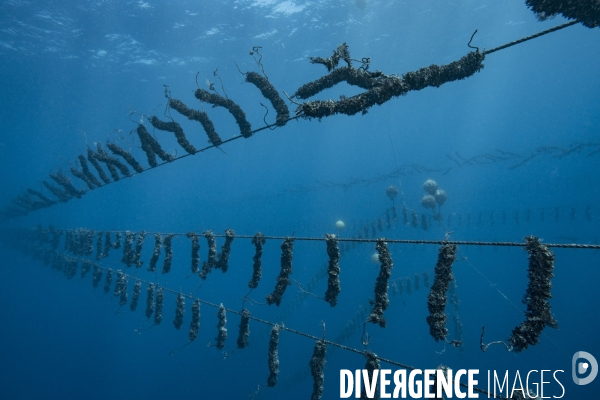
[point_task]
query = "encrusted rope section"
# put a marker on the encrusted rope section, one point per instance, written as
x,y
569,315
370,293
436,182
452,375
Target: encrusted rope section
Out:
x,y
538,314
381,301
317,367
195,251
258,241
233,108
333,270
273,356
585,11
212,254
270,93
225,251
244,333
222,327
199,116
151,147
371,365
119,151
176,129
436,302
383,87
155,252
283,280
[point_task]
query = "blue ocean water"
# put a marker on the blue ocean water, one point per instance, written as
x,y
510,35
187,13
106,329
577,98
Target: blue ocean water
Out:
x,y
71,73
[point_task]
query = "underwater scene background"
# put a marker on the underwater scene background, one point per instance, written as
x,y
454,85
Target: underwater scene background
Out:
x,y
515,147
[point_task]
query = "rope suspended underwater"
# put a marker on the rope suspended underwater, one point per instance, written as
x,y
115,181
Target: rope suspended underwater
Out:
x,y
379,89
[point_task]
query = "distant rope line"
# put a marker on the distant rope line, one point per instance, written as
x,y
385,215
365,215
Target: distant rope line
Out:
x,y
390,241
487,158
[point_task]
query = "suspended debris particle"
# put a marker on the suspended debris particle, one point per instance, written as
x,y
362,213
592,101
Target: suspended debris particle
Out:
x,y
86,266
273,356
121,287
426,279
155,252
97,276
244,333
128,253
199,116
119,151
212,254
137,289
108,280
436,301
168,254
195,251
150,300
179,311
333,270
222,327
177,130
538,314
65,182
258,241
225,251
138,250
371,365
270,93
283,280
160,299
381,285
151,147
233,108
195,324
317,367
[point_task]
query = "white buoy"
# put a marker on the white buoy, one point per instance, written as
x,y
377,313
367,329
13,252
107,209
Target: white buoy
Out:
x,y
340,225
375,258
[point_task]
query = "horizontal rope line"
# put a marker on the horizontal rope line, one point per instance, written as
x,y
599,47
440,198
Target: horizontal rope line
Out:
x,y
389,241
294,331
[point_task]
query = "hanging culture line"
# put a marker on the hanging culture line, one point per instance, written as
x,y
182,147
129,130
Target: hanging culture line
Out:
x,y
155,304
80,243
379,89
